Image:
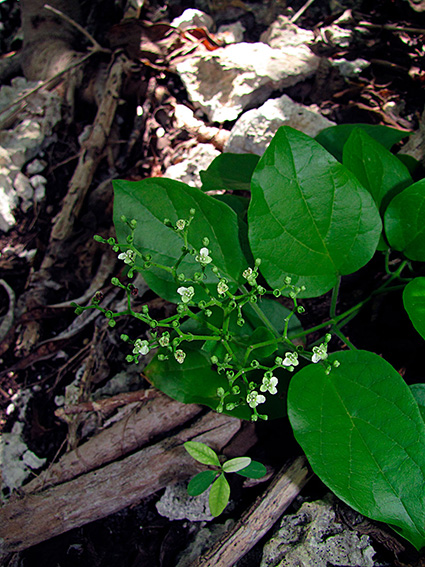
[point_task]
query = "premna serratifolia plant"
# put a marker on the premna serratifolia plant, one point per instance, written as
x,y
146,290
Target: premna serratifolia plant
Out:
x,y
238,261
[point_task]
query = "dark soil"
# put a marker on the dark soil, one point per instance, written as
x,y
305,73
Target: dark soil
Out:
x,y
139,536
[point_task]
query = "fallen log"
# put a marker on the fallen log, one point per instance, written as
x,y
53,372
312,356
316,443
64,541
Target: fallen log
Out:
x,y
157,415
38,517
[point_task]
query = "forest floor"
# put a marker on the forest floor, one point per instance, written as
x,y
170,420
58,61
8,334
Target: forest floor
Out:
x,y
389,91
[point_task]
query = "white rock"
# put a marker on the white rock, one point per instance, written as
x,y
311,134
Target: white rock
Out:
x,y
312,538
349,69
197,159
192,18
23,186
231,33
336,36
176,504
254,130
8,201
35,166
282,33
225,81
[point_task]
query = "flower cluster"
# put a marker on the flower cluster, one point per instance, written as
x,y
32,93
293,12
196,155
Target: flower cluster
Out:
x,y
253,399
128,256
269,383
186,293
203,257
141,347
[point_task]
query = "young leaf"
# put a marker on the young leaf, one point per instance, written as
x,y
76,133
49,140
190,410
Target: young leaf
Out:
x,y
414,303
334,138
202,453
229,171
219,495
418,391
235,465
364,436
377,169
309,217
201,482
150,201
254,470
404,222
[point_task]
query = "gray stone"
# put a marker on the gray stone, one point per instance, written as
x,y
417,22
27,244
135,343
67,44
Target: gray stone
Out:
x,y
225,81
254,130
231,33
23,186
336,36
176,504
195,160
312,538
205,538
349,69
282,34
192,18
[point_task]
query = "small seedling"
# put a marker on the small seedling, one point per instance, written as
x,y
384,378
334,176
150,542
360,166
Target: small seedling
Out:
x,y
220,489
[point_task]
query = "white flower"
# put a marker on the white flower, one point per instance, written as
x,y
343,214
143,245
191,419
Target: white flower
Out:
x,y
250,276
247,273
186,293
180,224
203,257
253,399
291,359
141,347
320,353
269,384
128,256
222,287
179,355
164,340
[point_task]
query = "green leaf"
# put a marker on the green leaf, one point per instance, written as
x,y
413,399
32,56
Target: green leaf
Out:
x,y
363,434
404,222
414,303
254,470
410,162
150,201
229,171
202,453
418,391
219,496
334,138
237,464
309,217
377,169
193,382
201,482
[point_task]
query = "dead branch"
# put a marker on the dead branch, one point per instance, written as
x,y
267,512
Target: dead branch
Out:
x,y
259,518
155,416
38,517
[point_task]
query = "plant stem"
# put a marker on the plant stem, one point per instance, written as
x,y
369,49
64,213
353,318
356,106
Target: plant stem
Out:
x,y
334,298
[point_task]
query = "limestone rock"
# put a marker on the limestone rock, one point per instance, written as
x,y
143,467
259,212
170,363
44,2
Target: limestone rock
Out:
x,y
312,538
192,18
254,130
282,34
176,504
225,81
195,160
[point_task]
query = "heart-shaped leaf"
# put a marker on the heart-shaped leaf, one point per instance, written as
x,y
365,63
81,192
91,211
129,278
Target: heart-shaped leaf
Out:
x,y
201,482
377,169
309,216
150,201
414,303
335,137
219,496
229,171
404,222
202,453
364,436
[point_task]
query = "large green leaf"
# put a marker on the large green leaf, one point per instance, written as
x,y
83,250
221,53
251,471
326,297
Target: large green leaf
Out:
x,y
193,382
418,391
334,137
404,222
309,216
375,167
150,201
414,303
364,436
229,171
